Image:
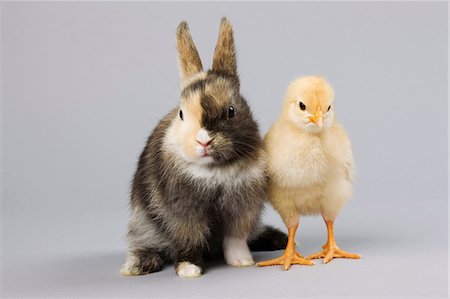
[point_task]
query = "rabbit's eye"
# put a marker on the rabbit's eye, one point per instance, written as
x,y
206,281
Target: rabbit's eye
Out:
x,y
230,111
302,106
181,114
329,107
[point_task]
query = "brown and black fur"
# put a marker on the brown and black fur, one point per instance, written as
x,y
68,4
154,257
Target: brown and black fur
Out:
x,y
179,217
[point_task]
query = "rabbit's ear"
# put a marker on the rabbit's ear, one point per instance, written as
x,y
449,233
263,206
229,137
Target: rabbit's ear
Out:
x,y
190,63
224,60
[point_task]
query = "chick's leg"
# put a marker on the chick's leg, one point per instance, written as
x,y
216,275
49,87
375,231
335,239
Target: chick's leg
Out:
x,y
290,255
330,249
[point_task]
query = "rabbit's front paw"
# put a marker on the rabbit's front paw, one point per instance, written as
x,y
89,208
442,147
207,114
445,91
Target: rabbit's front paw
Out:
x,y
188,270
237,253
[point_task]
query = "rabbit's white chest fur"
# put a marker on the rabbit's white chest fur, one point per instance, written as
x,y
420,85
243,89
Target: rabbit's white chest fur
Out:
x,y
229,175
305,166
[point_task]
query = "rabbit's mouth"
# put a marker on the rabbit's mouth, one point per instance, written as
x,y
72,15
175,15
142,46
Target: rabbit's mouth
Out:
x,y
205,152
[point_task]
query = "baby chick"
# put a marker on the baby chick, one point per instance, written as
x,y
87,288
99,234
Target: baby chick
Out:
x,y
310,166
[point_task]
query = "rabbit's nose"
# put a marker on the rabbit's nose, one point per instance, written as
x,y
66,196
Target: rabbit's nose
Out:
x,y
203,138
205,144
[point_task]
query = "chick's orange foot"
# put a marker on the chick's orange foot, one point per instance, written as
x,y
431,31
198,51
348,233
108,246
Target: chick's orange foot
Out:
x,y
330,249
290,255
286,260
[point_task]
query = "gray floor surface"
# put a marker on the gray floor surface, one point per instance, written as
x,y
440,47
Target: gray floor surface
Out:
x,y
82,257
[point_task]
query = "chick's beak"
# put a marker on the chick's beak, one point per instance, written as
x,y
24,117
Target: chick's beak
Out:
x,y
317,116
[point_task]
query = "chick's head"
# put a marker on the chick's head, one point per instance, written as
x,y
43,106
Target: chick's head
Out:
x,y
309,104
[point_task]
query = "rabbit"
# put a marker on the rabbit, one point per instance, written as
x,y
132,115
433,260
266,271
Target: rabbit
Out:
x,y
201,182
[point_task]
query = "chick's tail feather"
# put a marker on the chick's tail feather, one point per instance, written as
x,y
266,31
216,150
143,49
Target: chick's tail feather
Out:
x,y
268,239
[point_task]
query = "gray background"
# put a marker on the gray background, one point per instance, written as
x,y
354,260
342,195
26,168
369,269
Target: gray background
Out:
x,y
85,83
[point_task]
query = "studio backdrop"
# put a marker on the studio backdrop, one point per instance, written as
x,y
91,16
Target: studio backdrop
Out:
x,y
85,83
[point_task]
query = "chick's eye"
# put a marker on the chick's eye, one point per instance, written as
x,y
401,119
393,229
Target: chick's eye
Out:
x,y
302,106
329,107
181,114
231,111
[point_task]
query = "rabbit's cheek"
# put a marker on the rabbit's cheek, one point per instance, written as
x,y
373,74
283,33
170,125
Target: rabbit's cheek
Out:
x,y
180,138
190,152
188,143
187,133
